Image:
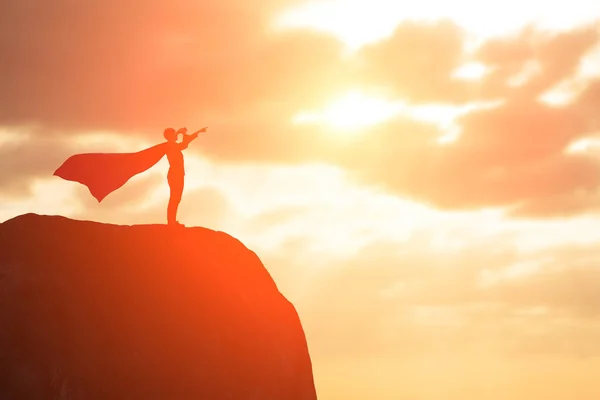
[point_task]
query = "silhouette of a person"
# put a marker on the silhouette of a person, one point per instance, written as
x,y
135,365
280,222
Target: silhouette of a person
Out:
x,y
176,173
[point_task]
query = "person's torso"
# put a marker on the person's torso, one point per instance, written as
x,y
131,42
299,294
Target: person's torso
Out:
x,y
175,157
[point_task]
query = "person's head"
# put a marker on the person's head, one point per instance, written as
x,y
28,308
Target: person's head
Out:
x,y
170,134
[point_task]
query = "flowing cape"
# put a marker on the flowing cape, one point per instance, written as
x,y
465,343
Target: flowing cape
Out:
x,y
103,173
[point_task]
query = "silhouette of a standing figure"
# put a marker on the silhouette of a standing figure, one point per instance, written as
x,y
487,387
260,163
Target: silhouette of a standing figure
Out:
x,y
176,174
103,173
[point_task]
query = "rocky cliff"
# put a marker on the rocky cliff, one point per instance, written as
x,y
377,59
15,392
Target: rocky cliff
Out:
x,y
98,311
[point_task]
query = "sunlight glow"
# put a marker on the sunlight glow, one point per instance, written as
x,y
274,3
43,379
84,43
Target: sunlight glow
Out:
x,y
559,96
566,91
356,110
353,110
515,271
529,71
471,71
351,21
359,22
62,200
13,136
452,135
580,146
584,145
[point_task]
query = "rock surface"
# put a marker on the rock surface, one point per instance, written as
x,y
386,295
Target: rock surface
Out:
x,y
97,311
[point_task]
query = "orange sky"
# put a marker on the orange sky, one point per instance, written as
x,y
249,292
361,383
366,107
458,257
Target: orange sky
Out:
x,y
420,180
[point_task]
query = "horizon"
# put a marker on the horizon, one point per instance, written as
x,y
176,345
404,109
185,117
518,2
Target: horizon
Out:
x,y
419,180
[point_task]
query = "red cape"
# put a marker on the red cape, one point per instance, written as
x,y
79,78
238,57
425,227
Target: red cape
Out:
x,y
103,173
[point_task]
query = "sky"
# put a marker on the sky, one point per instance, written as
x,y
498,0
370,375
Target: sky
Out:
x,y
421,180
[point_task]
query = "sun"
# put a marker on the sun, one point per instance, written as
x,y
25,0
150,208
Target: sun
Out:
x,y
353,110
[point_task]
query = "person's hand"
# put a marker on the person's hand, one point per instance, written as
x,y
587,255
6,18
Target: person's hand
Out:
x,y
182,130
203,129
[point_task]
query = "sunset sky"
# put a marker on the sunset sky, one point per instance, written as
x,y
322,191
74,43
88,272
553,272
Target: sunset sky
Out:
x,y
420,178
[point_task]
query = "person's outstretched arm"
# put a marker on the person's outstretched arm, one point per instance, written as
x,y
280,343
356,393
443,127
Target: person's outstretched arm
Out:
x,y
188,138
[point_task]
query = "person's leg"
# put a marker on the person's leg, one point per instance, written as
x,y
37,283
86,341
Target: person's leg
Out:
x,y
176,191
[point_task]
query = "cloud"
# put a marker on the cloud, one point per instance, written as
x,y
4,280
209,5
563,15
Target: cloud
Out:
x,y
27,158
556,55
416,62
136,68
399,299
512,155
141,65
563,283
509,155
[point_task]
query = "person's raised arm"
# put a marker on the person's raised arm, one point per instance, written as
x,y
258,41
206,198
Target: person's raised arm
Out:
x,y
188,138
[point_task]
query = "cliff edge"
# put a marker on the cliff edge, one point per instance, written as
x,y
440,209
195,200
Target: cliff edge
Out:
x,y
98,311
